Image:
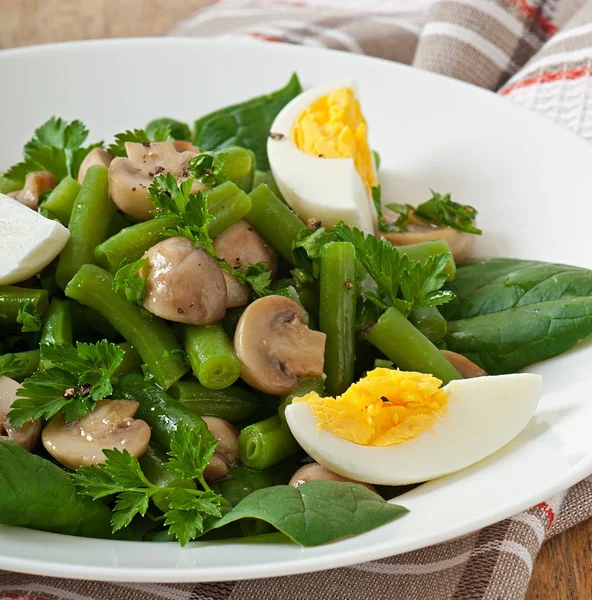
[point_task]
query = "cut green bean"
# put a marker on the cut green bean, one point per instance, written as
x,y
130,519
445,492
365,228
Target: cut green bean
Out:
x,y
424,250
117,222
266,177
265,444
232,403
13,297
239,166
211,356
62,198
98,323
409,349
337,314
309,298
57,327
89,224
305,386
149,335
131,363
274,220
163,413
19,365
430,322
227,204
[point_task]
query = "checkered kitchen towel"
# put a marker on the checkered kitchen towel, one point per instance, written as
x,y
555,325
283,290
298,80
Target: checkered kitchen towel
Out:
x,y
538,53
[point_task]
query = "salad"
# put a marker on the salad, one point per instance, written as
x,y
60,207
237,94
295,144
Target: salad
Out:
x,y
224,330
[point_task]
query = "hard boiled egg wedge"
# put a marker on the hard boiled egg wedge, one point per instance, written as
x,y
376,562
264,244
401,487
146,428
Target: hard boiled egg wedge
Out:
x,y
319,156
436,432
28,241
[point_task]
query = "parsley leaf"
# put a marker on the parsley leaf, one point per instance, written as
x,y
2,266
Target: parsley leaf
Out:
x,y
402,220
306,251
127,281
28,317
76,378
15,366
56,147
403,283
139,136
402,210
208,167
441,209
258,276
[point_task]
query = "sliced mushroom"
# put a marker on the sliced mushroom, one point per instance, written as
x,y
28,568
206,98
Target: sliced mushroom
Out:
x,y
183,146
467,368
183,283
275,347
110,425
130,178
316,472
97,156
226,454
26,436
36,183
240,245
461,243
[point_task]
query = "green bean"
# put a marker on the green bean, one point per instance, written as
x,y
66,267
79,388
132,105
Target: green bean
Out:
x,y
239,166
265,444
62,198
57,327
149,335
98,323
337,314
232,403
211,356
309,298
10,185
118,222
13,297
424,250
227,204
163,413
274,220
291,293
19,365
409,349
241,482
266,177
131,362
231,319
430,322
305,386
89,224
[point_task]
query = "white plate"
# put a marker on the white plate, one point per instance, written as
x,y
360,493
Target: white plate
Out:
x,y
530,180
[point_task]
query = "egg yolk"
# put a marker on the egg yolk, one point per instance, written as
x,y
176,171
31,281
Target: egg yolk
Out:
x,y
385,408
334,127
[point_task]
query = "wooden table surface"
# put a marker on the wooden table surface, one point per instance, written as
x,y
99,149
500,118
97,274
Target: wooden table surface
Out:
x,y
562,570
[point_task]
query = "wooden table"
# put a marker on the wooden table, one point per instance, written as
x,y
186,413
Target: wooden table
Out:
x,y
562,570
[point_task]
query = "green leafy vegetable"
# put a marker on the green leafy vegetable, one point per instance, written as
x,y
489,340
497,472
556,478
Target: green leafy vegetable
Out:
x,y
177,129
126,280
208,167
317,512
15,366
258,276
37,494
246,124
441,209
75,380
401,209
509,313
307,252
139,136
403,219
28,317
405,284
56,147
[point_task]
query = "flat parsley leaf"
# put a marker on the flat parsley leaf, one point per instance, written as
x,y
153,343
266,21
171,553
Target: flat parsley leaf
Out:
x,y
405,284
306,251
208,167
139,136
28,317
258,276
76,378
402,210
56,147
441,209
126,280
15,366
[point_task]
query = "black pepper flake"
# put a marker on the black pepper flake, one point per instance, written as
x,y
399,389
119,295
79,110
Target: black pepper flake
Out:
x,y
384,399
313,224
147,144
180,311
349,285
151,173
158,170
85,389
70,393
367,327
321,155
133,189
276,136
249,229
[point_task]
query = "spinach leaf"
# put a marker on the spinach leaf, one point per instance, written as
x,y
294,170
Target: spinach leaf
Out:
x,y
246,124
178,130
509,313
317,512
37,494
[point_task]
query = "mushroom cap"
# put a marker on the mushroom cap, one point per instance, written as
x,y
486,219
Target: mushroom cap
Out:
x,y
240,245
315,472
110,425
130,178
36,183
461,243
183,283
182,146
226,454
26,436
97,156
274,346
467,368
237,294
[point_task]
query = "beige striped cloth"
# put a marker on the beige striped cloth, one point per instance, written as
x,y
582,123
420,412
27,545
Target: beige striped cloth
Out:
x,y
538,53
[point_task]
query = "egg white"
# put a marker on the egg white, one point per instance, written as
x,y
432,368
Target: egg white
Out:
x,y
325,189
483,415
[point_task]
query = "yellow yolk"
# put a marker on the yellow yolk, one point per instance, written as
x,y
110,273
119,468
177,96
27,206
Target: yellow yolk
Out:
x,y
334,127
385,408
